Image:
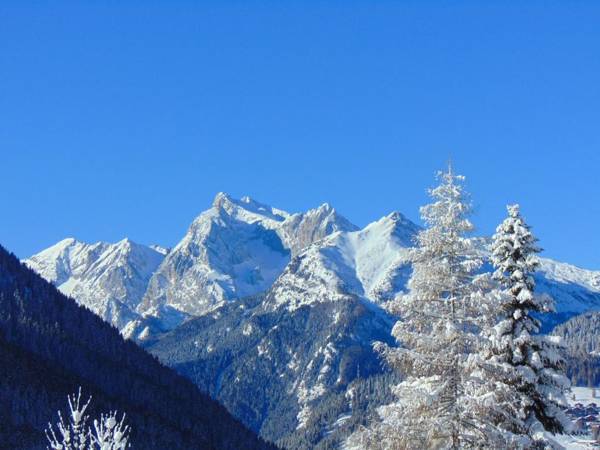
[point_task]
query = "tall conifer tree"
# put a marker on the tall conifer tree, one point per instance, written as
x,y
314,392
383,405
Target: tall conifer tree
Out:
x,y
436,331
521,372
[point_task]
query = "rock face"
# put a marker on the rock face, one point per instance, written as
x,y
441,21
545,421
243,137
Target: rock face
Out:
x,y
229,251
298,231
371,263
235,249
110,279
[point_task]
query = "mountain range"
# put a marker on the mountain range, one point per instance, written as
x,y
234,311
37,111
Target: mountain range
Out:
x,y
274,314
234,249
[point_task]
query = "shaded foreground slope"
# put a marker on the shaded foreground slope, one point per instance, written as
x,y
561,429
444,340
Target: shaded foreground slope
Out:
x,y
49,346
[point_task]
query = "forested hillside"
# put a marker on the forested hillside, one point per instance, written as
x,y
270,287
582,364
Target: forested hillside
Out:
x,y
287,375
581,336
49,346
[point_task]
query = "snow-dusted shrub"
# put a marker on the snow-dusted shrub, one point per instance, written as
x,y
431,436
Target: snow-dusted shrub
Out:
x,y
73,433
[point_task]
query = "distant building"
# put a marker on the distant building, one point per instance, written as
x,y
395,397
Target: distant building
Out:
x,y
585,419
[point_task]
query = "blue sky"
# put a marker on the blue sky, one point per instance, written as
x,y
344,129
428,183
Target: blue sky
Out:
x,y
125,118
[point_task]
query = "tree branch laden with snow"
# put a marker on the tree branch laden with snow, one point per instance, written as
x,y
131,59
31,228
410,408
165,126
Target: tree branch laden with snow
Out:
x,y
73,432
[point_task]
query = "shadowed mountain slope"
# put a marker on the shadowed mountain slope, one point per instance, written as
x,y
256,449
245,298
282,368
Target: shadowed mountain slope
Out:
x,y
49,346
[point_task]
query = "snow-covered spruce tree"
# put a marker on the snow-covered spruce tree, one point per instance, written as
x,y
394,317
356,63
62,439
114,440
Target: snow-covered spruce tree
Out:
x,y
436,331
521,372
73,433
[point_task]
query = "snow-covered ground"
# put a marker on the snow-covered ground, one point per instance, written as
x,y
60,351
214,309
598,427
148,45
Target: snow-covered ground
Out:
x,y
583,395
576,442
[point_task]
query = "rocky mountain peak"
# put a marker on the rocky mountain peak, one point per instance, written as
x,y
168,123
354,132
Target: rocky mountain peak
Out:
x,y
221,199
110,279
395,224
300,230
326,207
248,210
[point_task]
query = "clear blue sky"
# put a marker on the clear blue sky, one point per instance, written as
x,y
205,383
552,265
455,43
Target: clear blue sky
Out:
x,y
126,120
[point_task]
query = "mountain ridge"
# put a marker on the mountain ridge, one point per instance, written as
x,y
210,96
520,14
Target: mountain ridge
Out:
x,y
110,279
239,248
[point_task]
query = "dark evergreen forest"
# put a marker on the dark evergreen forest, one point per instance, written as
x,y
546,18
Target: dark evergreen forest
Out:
x,y
581,337
50,346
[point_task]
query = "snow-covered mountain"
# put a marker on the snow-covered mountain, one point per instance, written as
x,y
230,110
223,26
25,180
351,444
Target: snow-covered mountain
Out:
x,y
239,248
229,251
300,230
573,289
371,263
297,299
308,336
234,249
110,279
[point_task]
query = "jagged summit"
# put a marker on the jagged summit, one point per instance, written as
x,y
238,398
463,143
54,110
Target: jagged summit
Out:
x,y
66,242
302,229
220,198
247,209
110,279
54,263
397,216
229,251
372,263
397,224
234,249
